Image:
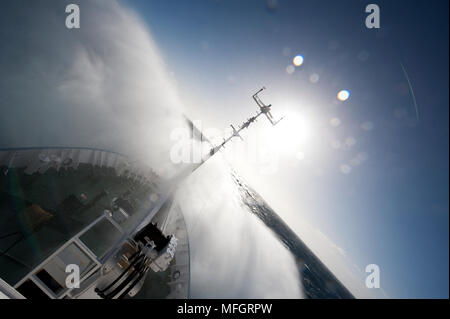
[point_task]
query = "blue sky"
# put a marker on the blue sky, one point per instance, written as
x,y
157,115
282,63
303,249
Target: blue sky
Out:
x,y
391,210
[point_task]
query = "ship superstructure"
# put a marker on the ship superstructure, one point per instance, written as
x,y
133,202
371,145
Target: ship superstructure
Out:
x,y
111,217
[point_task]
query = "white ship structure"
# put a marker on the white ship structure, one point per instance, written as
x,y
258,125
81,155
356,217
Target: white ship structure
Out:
x,y
115,219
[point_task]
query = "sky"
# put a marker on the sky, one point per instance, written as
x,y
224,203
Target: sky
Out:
x,y
391,206
362,181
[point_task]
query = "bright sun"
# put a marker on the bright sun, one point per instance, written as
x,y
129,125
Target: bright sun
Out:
x,y
294,135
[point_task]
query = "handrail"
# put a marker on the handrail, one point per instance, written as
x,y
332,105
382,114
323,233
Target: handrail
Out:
x,y
8,291
74,239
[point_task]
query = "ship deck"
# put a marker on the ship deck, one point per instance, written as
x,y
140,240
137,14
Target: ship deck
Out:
x,y
47,196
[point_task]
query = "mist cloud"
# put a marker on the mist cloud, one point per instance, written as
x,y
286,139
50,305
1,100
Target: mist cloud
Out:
x,y
233,254
104,85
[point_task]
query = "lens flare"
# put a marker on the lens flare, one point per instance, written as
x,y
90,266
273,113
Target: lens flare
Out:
x,y
314,78
290,69
335,122
345,169
298,60
343,95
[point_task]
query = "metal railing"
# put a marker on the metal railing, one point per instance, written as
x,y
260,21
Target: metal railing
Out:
x,y
79,244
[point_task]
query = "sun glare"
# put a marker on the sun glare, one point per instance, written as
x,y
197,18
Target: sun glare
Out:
x,y
293,135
